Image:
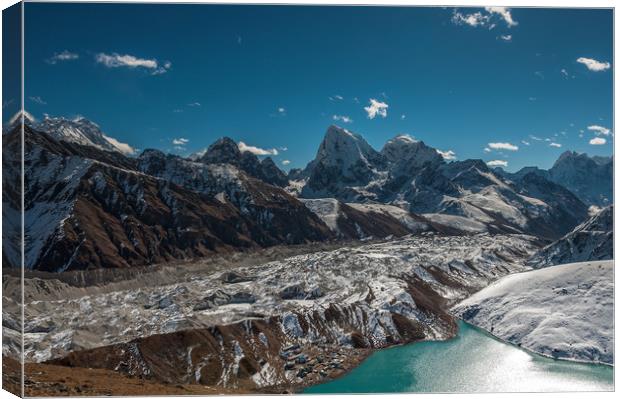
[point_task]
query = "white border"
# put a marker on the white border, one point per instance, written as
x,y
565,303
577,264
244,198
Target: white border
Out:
x,y
460,3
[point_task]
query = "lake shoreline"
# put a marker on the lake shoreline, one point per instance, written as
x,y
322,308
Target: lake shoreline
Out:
x,y
601,373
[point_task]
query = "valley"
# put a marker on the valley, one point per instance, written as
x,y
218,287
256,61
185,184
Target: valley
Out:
x,y
220,271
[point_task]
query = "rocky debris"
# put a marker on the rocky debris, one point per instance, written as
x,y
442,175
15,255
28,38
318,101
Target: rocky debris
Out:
x,y
220,298
233,278
373,295
299,291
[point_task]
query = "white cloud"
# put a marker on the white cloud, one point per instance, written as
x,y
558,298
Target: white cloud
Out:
x,y
37,99
503,146
525,142
282,111
62,56
116,60
474,19
243,147
180,141
506,38
342,118
122,147
337,97
484,18
598,141
498,162
593,65
503,12
447,155
194,104
599,130
286,162
487,149
556,145
403,116
376,108
535,138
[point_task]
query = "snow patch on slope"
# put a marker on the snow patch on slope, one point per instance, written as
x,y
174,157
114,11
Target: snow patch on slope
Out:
x,y
564,312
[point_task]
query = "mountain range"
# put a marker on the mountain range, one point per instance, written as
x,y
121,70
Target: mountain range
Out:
x,y
89,204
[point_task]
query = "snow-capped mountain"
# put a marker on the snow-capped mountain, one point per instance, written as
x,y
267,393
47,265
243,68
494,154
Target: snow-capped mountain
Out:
x,y
80,131
89,208
589,178
226,151
343,167
465,195
592,240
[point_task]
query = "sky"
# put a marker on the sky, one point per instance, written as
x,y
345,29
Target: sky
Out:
x,y
514,87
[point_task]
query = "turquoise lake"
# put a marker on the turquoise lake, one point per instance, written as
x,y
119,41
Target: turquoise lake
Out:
x,y
474,361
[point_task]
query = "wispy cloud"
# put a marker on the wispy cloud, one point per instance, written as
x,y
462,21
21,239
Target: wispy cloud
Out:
x,y
536,138
503,146
554,144
484,18
177,110
525,142
564,72
403,116
447,155
506,38
594,65
116,60
286,162
540,74
62,56
487,149
504,13
498,162
336,97
598,141
342,118
180,141
37,99
376,108
599,130
243,147
194,104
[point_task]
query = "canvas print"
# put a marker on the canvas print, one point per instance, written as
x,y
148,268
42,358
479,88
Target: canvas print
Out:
x,y
206,199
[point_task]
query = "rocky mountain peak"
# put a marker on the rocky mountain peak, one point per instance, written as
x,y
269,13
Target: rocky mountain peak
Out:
x,y
224,150
405,151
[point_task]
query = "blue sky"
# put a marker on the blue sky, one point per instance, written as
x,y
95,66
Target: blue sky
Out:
x,y
275,77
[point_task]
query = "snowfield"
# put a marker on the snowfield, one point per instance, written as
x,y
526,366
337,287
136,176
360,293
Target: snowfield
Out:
x,y
563,312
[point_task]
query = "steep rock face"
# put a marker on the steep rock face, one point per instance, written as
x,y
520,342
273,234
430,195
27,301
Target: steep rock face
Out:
x,y
590,241
87,208
591,179
226,151
407,156
344,165
284,218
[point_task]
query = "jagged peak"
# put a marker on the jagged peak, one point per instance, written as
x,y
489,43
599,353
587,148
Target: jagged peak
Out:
x,y
28,118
